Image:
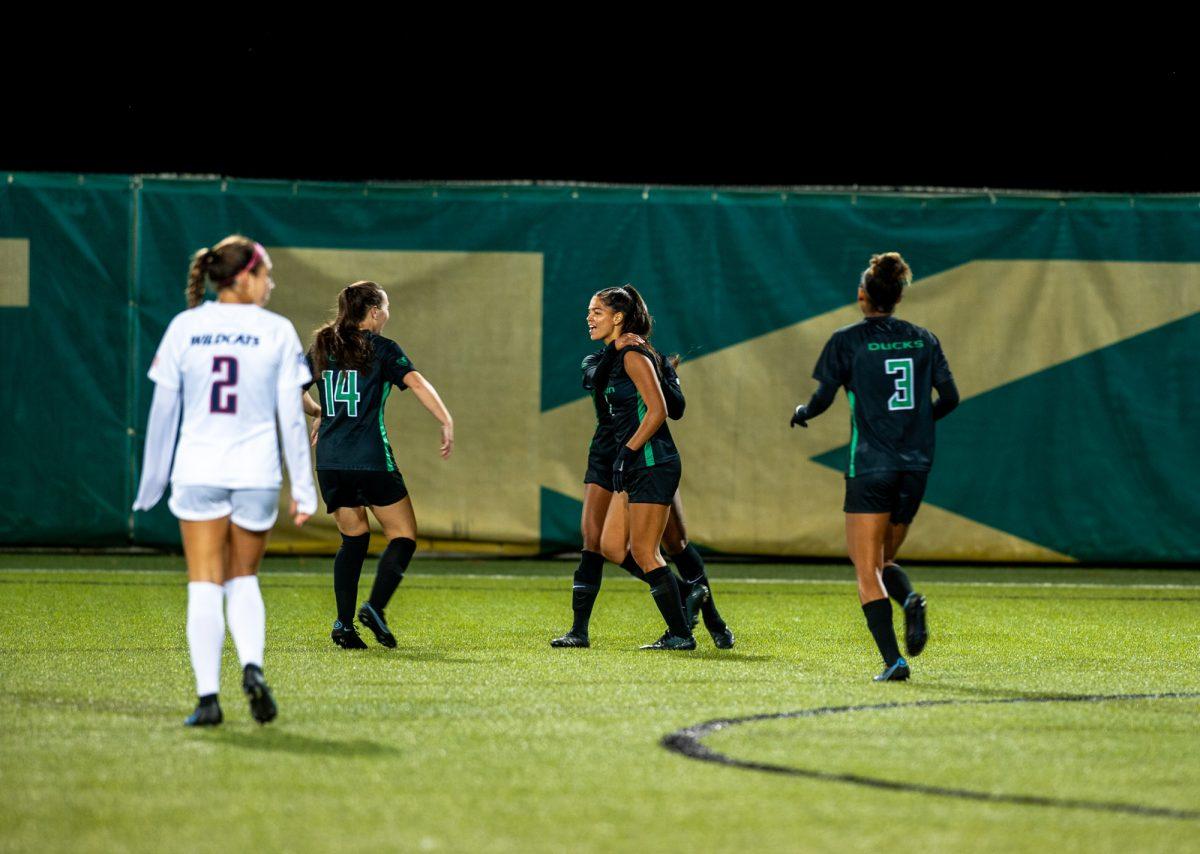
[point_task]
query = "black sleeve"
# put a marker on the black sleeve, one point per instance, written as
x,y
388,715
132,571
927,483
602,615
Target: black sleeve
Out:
x,y
947,400
833,367
941,368
590,362
821,399
308,358
672,391
597,366
394,364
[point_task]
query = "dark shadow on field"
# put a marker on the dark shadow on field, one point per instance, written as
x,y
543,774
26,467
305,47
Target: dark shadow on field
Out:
x,y
280,740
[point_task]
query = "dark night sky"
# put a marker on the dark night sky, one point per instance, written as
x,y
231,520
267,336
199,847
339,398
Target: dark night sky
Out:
x,y
254,111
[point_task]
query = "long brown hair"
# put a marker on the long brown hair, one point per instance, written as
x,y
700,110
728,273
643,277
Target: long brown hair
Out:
x,y
340,341
221,265
886,278
638,320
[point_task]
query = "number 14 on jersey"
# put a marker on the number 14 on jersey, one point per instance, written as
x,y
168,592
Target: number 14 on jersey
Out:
x,y
341,387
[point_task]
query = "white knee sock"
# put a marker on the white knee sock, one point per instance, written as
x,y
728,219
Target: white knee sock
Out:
x,y
205,634
247,618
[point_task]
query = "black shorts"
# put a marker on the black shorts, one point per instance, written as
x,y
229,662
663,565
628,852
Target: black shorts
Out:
x,y
601,456
895,492
654,485
352,488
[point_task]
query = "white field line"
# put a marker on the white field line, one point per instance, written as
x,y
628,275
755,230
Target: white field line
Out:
x,y
723,579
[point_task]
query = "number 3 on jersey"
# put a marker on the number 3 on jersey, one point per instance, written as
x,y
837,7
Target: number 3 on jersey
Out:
x,y
903,397
342,389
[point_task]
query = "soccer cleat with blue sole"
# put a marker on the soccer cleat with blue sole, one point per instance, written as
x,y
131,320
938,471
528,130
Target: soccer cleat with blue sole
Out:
x,y
898,672
254,686
206,714
915,631
373,620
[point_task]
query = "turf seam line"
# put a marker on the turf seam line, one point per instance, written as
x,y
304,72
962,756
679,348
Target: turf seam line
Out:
x,y
687,742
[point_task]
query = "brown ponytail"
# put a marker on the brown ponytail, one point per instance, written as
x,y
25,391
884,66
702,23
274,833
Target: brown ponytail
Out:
x,y
340,342
885,279
638,320
220,265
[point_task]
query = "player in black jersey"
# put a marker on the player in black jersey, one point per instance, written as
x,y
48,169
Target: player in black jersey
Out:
x,y
646,468
889,368
598,493
355,368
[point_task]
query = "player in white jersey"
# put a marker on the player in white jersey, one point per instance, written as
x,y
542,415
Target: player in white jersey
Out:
x,y
237,371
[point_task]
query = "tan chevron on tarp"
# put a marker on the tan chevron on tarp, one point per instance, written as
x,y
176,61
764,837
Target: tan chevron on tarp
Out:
x,y
749,484
1002,320
471,322
14,272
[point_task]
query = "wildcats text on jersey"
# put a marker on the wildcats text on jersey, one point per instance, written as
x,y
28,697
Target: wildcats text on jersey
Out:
x,y
223,338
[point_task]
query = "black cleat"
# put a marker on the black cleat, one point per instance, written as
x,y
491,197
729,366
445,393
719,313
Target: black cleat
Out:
x,y
722,639
898,672
571,639
373,620
346,636
208,713
670,641
254,686
691,604
915,632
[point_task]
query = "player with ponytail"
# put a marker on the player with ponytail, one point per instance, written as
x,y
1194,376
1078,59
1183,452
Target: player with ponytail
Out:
x,y
235,371
889,368
355,368
619,317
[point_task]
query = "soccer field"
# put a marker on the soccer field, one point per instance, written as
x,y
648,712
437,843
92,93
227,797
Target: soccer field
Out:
x,y
1052,708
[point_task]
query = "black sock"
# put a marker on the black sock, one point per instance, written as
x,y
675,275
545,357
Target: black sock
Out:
x,y
630,566
879,621
390,573
896,583
208,700
665,590
691,567
347,567
585,590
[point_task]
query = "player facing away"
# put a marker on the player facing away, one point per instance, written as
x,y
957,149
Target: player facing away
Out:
x,y
889,368
598,494
236,370
355,367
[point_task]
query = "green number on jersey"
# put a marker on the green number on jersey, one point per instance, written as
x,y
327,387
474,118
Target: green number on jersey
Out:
x,y
341,389
903,397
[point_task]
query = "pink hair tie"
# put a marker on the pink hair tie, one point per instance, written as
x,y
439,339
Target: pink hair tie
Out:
x,y
255,257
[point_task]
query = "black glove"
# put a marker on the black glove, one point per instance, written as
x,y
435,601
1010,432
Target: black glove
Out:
x,y
800,416
625,458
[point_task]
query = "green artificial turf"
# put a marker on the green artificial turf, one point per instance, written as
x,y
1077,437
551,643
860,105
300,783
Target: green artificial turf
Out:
x,y
475,735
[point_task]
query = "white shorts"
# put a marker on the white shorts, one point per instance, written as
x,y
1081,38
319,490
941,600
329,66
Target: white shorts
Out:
x,y
252,509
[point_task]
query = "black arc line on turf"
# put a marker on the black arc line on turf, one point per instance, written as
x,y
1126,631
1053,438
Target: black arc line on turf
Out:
x,y
687,742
